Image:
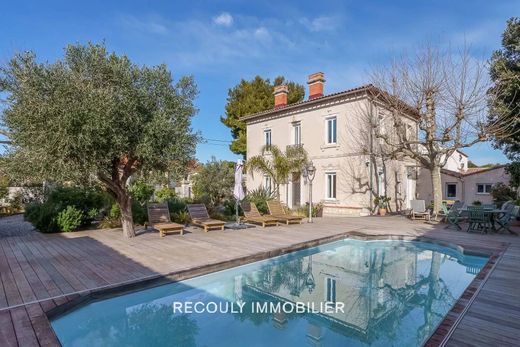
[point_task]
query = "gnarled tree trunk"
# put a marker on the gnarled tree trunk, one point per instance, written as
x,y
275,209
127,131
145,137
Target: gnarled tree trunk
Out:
x,y
127,221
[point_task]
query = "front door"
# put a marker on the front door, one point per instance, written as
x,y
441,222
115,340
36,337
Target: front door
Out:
x,y
296,190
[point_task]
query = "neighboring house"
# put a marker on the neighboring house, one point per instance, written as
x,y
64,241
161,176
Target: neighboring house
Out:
x,y
328,127
462,183
184,187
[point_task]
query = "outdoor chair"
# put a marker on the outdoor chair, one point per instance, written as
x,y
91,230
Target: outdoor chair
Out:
x,y
452,216
419,210
489,206
159,219
478,219
505,219
200,217
277,211
252,215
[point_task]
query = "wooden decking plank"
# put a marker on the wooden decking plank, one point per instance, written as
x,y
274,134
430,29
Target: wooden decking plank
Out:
x,y
10,288
23,328
7,334
42,327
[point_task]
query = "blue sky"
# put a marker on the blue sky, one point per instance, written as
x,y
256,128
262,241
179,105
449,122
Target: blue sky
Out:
x,y
220,42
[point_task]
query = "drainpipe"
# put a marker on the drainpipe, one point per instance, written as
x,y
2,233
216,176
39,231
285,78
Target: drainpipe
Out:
x,y
370,154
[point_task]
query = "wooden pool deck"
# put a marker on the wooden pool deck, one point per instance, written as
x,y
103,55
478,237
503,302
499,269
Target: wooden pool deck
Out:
x,y
39,272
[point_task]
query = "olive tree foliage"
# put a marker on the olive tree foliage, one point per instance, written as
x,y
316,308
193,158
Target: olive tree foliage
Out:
x,y
95,117
446,90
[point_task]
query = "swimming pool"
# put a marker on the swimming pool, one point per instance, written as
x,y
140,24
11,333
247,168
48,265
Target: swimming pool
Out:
x,y
348,292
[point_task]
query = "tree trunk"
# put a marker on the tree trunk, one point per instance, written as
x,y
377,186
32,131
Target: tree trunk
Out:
x,y
437,188
127,220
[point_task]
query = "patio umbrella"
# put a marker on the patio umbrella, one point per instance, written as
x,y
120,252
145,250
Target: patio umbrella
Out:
x,y
238,190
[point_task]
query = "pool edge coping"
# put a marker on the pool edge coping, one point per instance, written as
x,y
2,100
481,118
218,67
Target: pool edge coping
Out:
x,y
439,336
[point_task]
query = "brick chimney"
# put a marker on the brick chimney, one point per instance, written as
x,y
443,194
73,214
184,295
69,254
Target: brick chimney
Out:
x,y
280,96
316,82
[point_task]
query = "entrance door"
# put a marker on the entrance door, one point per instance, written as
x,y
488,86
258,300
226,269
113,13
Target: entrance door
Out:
x,y
296,189
410,186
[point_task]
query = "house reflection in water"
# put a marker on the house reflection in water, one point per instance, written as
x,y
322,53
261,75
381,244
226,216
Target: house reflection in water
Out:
x,y
378,285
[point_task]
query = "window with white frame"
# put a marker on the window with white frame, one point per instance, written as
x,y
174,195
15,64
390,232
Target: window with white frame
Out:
x,y
297,133
267,137
451,190
268,183
484,188
332,130
331,185
330,289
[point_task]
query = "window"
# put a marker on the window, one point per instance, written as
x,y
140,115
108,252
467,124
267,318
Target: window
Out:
x,y
484,188
297,134
267,136
267,183
381,124
330,293
331,185
451,190
331,130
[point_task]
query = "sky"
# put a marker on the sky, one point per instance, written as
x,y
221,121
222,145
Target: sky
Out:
x,y
222,42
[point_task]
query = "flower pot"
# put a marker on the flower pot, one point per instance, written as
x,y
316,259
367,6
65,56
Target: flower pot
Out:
x,y
382,211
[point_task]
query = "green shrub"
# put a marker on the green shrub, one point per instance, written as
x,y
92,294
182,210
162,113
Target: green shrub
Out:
x,y
141,192
260,197
139,213
69,219
113,217
182,217
164,194
42,217
477,203
502,193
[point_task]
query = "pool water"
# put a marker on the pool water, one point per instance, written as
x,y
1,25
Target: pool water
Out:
x,y
377,293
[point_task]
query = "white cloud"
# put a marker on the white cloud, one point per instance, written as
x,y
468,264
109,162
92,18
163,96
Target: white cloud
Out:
x,y
262,34
151,25
224,19
321,23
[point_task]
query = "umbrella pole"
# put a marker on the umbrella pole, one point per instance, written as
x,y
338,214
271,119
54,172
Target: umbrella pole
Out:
x,y
236,211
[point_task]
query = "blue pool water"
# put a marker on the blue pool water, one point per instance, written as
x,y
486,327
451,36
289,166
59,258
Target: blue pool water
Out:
x,y
379,293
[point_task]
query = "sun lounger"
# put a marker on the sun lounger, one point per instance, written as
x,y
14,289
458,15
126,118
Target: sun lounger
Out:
x,y
419,210
277,211
200,217
159,219
252,215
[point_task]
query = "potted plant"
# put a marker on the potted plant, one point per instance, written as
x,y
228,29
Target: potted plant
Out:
x,y
382,203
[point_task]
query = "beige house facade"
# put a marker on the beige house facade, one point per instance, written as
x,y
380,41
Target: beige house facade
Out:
x,y
460,183
334,131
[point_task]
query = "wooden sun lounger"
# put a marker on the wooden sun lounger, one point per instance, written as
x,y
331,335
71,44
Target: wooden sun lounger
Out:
x,y
252,215
276,211
159,218
200,217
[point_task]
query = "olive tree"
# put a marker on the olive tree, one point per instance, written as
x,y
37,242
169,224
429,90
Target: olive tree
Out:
x,y
95,117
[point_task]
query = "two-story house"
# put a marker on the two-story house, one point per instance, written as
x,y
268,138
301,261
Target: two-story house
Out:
x,y
337,133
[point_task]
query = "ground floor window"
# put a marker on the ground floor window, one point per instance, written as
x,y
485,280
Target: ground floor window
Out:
x,y
484,188
331,185
330,294
451,190
267,183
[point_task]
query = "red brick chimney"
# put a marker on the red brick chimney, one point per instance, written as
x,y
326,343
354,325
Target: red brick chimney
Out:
x,y
316,82
280,96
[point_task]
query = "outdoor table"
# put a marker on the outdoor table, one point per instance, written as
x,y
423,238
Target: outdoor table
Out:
x,y
493,214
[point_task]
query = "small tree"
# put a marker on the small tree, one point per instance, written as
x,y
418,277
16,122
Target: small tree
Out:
x,y
214,182
277,164
447,92
95,118
249,97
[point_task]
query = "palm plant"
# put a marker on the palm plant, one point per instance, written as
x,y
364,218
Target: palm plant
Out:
x,y
278,164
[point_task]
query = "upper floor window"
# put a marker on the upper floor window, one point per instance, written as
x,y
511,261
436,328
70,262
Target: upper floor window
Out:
x,y
331,185
267,137
332,130
484,188
297,133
